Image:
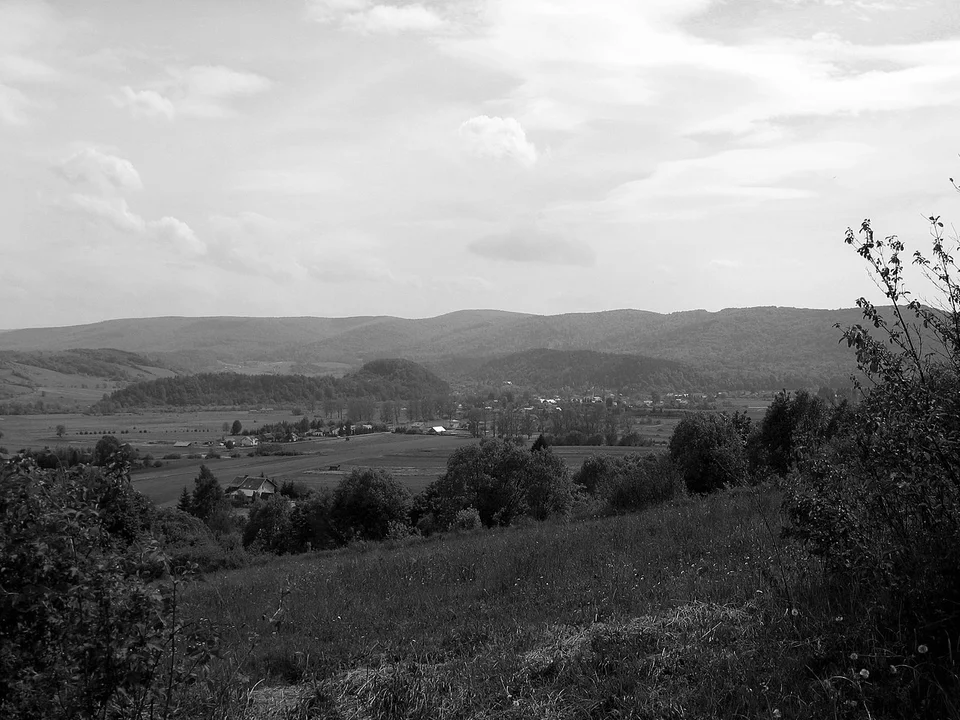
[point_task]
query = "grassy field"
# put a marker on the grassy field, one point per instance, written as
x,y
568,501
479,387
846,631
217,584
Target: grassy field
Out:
x,y
415,460
687,610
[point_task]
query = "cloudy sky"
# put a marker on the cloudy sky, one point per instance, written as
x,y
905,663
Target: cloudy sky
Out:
x,y
347,157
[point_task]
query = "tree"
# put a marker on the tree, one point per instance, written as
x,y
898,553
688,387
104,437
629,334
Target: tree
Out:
x,y
501,481
709,450
236,428
185,503
106,448
367,502
268,526
61,430
207,496
225,427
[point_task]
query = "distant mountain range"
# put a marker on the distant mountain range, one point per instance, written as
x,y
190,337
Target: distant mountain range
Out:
x,y
745,347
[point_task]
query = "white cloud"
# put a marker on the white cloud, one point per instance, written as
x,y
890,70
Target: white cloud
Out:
x,y
176,234
105,172
202,91
23,25
145,103
113,210
369,18
253,244
13,105
533,245
497,137
725,181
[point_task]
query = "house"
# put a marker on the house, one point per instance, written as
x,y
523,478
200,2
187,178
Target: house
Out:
x,y
251,487
183,444
436,430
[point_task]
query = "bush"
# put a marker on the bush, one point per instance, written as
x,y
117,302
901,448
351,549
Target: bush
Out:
x,y
467,519
85,628
880,502
501,481
366,502
709,450
172,456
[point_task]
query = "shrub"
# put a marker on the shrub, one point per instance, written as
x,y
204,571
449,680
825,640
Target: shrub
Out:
x,y
268,527
467,519
501,481
85,629
880,503
172,456
366,502
709,450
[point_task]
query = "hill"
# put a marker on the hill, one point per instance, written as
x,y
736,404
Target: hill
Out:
x,y
379,380
544,370
68,380
765,347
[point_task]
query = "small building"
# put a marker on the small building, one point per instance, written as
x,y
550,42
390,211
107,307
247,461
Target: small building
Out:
x,y
436,430
252,487
183,444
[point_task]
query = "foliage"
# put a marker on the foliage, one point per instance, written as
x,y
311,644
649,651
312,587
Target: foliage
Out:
x,y
629,483
208,496
709,450
236,428
366,502
268,527
85,628
790,426
880,503
501,481
380,380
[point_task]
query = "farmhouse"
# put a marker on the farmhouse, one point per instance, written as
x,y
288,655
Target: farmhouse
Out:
x,y
251,487
183,444
436,430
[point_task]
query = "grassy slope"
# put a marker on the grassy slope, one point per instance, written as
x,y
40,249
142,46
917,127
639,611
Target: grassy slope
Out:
x,y
675,612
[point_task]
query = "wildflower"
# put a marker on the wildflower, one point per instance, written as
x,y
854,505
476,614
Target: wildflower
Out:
x,y
865,674
854,657
776,713
923,649
794,612
893,670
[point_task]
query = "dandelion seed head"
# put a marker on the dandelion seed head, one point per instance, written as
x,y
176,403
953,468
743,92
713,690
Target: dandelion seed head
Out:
x,y
923,649
865,674
854,656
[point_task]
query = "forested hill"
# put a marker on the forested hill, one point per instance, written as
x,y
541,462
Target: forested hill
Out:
x,y
378,380
578,370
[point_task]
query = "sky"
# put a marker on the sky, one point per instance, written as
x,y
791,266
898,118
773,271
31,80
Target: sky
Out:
x,y
388,157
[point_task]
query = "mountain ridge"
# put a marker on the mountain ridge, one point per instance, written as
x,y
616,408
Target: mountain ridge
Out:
x,y
771,345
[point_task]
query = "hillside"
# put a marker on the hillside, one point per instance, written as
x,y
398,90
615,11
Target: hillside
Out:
x,y
380,380
544,370
68,380
745,347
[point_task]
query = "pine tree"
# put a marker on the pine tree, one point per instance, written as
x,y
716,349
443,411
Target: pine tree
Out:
x,y
185,503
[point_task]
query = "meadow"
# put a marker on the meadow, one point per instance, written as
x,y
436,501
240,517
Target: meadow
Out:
x,y
686,610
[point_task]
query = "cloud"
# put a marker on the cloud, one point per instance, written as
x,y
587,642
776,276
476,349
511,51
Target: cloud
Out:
x,y
732,179
498,138
145,103
105,172
532,245
112,210
368,18
13,105
253,244
176,234
23,27
201,91
105,179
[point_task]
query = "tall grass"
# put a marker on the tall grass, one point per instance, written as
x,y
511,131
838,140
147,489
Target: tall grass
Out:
x,y
692,609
